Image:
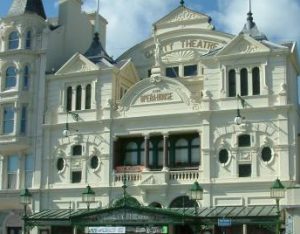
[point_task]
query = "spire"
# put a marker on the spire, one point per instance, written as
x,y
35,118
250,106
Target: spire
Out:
x,y
20,7
96,52
250,27
182,3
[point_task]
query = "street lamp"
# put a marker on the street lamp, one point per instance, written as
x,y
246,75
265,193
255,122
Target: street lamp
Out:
x,y
277,192
88,196
196,194
25,200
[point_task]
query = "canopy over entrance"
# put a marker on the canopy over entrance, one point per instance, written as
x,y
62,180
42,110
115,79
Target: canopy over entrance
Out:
x,y
127,215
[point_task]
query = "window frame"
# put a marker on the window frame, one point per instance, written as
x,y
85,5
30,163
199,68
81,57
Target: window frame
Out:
x,y
13,40
8,120
10,77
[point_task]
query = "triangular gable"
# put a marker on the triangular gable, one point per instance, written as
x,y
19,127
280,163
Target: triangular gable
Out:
x,y
77,63
243,44
128,69
183,15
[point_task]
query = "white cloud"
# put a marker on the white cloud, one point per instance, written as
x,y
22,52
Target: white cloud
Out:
x,y
129,21
279,19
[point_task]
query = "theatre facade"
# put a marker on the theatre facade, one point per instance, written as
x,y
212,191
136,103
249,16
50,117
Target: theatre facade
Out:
x,y
120,146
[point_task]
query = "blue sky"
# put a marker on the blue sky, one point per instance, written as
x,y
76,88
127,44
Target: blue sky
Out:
x,y
130,21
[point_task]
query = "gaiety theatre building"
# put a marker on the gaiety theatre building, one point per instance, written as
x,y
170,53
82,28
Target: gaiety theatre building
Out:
x,y
190,104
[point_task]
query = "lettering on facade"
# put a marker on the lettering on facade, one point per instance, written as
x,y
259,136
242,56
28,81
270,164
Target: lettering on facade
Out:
x,y
156,96
184,44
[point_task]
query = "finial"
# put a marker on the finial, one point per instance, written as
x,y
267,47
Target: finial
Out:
x,y
182,2
97,18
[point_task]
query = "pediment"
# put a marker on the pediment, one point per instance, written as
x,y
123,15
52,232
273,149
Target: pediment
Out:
x,y
184,15
158,92
78,63
243,44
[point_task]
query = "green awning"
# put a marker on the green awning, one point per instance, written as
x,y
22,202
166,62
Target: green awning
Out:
x,y
110,216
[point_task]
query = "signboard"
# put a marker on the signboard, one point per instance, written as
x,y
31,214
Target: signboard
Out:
x,y
131,229
106,229
224,222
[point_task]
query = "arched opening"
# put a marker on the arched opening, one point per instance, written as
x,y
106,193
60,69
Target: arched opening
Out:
x,y
69,99
231,83
78,97
255,81
88,97
28,40
10,78
244,82
13,40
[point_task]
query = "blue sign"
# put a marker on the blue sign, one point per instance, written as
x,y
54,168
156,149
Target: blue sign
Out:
x,y
224,222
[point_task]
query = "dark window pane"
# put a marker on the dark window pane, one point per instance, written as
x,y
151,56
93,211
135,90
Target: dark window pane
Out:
x,y
244,82
26,78
172,72
10,81
244,141
88,96
13,41
244,170
69,98
60,164
223,156
78,97
191,70
256,81
94,162
8,119
266,154
77,150
232,84
76,176
23,120
28,40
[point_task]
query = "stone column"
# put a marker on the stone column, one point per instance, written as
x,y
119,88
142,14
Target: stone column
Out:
x,y
73,98
166,153
146,153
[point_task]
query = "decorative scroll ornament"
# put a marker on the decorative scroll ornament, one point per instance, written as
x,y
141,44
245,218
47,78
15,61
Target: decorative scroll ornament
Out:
x,y
184,16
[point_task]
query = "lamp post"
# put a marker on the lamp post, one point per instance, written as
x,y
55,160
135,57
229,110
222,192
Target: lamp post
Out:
x,y
25,200
277,192
196,194
88,196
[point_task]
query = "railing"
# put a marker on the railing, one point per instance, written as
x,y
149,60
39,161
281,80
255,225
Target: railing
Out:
x,y
184,175
119,177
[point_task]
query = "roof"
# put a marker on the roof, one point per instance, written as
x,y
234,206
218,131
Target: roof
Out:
x,y
238,214
251,29
20,7
96,52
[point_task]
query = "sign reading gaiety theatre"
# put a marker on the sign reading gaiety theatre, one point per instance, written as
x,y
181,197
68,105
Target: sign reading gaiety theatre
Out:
x,y
192,43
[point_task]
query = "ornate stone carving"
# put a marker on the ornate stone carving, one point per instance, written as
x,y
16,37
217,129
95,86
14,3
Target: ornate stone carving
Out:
x,y
184,16
182,56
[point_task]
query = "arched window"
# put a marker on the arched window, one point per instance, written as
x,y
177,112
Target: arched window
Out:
x,y
10,79
13,40
195,151
78,97
232,83
28,40
77,150
181,152
256,81
131,154
244,82
156,153
88,90
26,78
69,98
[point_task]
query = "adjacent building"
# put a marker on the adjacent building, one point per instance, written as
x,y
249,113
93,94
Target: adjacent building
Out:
x,y
188,104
